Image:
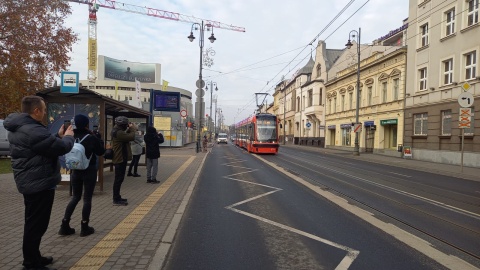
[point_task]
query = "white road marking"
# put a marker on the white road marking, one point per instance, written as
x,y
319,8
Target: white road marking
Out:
x,y
404,175
346,261
449,261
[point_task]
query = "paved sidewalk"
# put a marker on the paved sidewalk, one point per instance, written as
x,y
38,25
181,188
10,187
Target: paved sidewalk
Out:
x,y
440,168
136,236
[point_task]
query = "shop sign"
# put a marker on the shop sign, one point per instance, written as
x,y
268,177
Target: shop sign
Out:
x,y
388,122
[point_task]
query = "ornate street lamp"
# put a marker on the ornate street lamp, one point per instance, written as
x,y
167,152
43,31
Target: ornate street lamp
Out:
x,y
200,83
352,34
211,99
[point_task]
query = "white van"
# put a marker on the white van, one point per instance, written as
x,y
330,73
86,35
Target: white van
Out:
x,y
4,144
222,138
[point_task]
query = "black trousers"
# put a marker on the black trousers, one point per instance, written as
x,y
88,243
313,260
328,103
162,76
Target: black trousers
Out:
x,y
85,179
120,170
38,207
134,164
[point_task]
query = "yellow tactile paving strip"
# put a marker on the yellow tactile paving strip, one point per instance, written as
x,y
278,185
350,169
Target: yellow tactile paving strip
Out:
x,y
99,254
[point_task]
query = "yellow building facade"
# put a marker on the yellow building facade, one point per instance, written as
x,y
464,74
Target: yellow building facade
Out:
x,y
381,106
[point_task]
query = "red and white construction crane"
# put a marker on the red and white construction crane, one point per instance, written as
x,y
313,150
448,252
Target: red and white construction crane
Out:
x,y
94,5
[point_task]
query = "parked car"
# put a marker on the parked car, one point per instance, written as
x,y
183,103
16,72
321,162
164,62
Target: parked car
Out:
x,y
222,138
4,144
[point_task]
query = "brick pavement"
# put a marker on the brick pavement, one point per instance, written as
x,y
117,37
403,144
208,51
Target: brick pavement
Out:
x,y
137,250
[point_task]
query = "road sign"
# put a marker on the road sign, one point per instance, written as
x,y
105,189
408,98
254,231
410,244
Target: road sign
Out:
x,y
465,118
69,82
308,125
200,83
357,127
200,92
465,99
183,113
466,86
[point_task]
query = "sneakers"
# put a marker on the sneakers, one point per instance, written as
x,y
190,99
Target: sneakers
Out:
x,y
120,203
154,181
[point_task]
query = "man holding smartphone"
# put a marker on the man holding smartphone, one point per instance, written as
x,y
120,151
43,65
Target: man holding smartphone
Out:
x,y
36,170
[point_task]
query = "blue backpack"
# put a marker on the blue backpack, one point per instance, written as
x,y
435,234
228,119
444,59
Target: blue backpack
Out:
x,y
76,158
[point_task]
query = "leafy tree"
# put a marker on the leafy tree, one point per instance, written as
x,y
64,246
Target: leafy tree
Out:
x,y
33,48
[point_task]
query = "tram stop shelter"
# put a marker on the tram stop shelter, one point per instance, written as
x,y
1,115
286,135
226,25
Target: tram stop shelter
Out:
x,y
101,111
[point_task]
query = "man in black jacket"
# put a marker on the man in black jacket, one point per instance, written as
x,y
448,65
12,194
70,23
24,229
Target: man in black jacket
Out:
x,y
36,169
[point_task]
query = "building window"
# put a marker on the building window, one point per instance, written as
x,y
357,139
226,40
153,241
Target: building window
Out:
x,y
298,104
423,78
319,70
420,124
320,96
470,65
469,131
346,136
384,92
450,22
330,106
359,97
370,95
448,71
447,122
310,98
424,35
350,101
395,88
472,12
343,103
335,105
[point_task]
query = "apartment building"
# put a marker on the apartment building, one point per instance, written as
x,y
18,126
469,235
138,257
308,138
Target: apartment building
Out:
x,y
442,63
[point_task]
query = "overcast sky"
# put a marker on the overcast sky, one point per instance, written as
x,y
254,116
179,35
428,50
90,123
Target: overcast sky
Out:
x,y
275,43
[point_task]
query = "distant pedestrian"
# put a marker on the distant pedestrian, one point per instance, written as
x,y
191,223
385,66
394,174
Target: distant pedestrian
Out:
x,y
152,154
137,148
34,154
122,134
205,143
83,179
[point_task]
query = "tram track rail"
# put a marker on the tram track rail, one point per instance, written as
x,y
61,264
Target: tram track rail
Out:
x,y
406,223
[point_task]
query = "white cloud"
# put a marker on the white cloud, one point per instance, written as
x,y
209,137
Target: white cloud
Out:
x,y
272,28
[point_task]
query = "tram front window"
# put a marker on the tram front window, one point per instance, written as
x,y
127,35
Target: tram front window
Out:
x,y
266,130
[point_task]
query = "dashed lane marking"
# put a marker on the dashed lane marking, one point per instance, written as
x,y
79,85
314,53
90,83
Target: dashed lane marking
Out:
x,y
99,254
346,261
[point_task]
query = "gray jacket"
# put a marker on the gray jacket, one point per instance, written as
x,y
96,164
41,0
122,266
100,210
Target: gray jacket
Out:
x,y
35,151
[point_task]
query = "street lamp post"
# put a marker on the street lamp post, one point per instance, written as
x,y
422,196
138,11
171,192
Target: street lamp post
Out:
x,y
211,100
200,82
353,33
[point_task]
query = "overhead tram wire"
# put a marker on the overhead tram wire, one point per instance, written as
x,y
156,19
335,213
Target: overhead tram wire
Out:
x,y
313,40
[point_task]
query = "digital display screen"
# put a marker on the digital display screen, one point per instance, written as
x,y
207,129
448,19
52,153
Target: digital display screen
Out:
x,y
166,101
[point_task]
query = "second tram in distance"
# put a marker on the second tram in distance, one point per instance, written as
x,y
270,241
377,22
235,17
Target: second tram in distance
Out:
x,y
258,134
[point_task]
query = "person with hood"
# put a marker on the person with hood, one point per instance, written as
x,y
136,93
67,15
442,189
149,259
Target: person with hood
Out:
x,y
137,148
152,154
83,179
122,134
34,155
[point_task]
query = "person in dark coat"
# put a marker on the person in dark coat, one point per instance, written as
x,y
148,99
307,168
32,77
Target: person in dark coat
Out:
x,y
34,155
152,154
122,134
81,179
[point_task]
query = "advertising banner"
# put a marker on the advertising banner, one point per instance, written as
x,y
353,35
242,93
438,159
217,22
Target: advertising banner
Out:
x,y
121,70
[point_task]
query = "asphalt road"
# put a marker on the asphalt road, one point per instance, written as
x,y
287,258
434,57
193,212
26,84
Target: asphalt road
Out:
x,y
305,210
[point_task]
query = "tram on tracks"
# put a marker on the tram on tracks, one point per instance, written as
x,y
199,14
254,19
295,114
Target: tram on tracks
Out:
x,y
258,134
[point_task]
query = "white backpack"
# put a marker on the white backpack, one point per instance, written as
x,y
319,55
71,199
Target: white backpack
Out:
x,y
76,158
